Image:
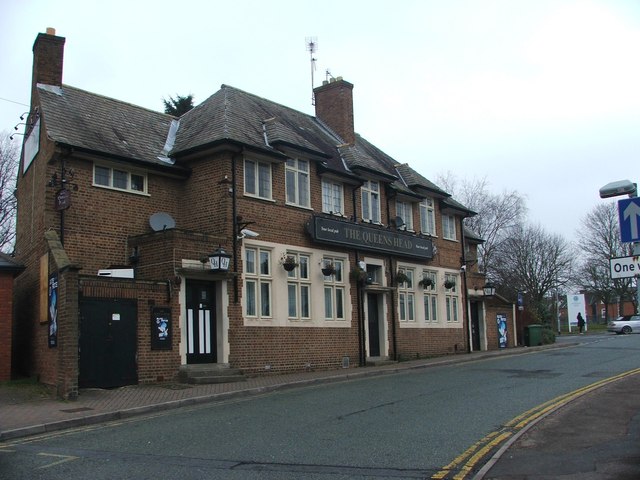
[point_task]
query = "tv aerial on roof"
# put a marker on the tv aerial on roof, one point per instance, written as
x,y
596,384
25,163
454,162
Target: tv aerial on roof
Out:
x,y
312,47
161,221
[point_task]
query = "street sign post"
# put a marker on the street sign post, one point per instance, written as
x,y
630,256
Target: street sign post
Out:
x,y
625,267
629,215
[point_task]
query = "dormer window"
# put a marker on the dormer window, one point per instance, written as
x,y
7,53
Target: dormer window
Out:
x,y
404,211
332,197
427,217
449,227
371,201
297,182
118,179
257,179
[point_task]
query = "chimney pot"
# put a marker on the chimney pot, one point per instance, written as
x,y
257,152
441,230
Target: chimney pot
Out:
x,y
51,31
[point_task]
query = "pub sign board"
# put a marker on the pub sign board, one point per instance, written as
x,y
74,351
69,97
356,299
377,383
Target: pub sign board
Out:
x,y
364,237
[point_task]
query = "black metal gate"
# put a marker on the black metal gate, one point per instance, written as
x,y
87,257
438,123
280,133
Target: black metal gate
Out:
x,y
108,343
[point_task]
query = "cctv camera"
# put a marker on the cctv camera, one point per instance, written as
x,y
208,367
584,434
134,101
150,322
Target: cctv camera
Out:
x,y
621,187
249,233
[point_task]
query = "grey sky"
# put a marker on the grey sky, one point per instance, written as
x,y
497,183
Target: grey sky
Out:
x,y
538,96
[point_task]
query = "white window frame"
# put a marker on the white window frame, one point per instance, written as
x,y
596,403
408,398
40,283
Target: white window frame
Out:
x,y
449,227
407,297
371,201
430,297
297,186
112,174
259,281
404,210
332,197
428,217
335,291
452,304
299,288
259,187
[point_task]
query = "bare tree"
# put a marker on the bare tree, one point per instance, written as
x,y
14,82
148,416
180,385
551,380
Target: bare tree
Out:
x,y
8,168
599,240
534,261
497,214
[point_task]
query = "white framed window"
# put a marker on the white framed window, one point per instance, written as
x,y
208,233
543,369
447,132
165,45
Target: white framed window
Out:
x,y
451,297
118,179
406,296
449,227
428,217
257,269
297,182
257,179
332,197
334,290
371,201
299,288
404,210
430,295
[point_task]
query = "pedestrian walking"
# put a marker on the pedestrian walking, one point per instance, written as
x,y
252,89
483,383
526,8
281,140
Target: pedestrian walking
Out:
x,y
581,322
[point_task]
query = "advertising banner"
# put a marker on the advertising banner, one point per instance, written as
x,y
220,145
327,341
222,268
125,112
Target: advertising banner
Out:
x,y
575,306
53,310
502,330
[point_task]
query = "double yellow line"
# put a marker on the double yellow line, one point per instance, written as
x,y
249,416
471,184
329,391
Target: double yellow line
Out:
x,y
465,463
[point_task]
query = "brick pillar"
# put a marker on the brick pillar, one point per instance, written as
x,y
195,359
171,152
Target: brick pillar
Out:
x,y
68,333
6,324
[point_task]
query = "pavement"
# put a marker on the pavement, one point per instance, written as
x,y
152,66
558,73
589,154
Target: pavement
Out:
x,y
593,435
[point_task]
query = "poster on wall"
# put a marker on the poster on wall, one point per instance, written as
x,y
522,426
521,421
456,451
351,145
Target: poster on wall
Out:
x,y
502,330
161,328
53,310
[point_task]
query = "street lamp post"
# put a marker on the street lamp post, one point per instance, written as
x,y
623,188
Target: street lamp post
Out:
x,y
615,189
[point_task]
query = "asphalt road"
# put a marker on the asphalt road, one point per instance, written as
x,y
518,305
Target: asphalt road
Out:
x,y
408,425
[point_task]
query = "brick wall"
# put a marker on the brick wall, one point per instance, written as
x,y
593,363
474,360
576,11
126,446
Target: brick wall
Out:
x,y
153,365
6,324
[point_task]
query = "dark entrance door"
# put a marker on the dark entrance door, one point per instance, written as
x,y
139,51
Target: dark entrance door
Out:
x,y
201,323
108,343
374,325
475,327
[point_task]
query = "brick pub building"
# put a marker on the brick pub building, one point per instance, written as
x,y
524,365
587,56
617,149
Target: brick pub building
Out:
x,y
338,254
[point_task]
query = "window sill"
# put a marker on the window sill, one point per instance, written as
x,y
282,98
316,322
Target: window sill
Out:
x,y
121,190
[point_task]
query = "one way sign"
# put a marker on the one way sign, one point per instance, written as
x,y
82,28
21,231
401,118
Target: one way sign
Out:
x,y
629,214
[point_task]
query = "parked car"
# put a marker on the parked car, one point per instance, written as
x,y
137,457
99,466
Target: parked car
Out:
x,y
625,324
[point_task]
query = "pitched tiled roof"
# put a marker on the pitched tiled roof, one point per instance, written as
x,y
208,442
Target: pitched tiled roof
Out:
x,y
414,180
88,121
100,124
234,115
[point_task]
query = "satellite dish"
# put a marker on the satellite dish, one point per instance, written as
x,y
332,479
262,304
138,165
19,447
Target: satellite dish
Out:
x,y
399,222
161,221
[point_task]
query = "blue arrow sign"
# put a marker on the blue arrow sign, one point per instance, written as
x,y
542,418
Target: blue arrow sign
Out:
x,y
629,214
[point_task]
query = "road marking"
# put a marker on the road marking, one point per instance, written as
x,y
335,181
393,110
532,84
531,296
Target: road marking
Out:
x,y
460,467
63,459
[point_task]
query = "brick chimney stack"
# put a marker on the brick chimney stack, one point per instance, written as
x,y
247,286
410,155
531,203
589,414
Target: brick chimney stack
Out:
x,y
334,106
48,54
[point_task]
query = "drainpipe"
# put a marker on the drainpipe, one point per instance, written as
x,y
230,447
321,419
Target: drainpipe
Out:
x,y
394,341
234,223
362,358
466,290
